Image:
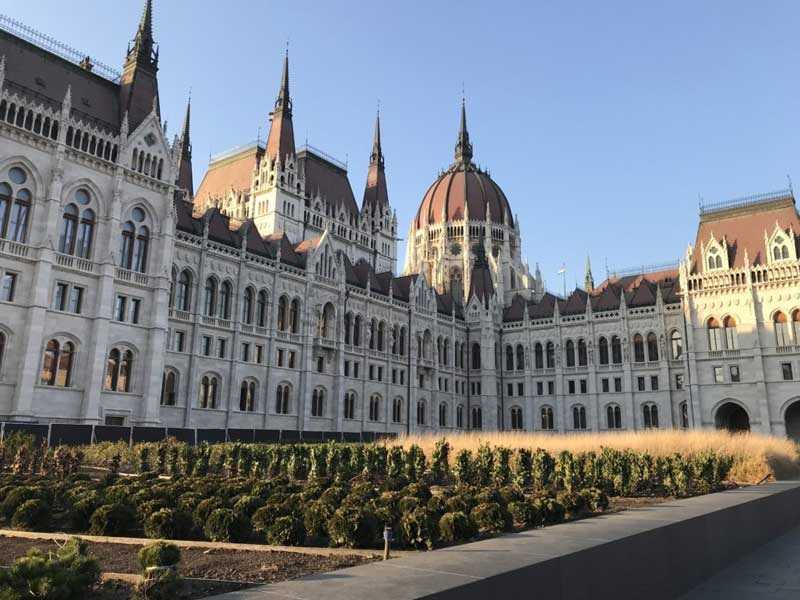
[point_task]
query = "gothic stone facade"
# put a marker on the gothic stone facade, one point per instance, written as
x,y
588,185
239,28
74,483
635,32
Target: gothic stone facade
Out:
x,y
269,299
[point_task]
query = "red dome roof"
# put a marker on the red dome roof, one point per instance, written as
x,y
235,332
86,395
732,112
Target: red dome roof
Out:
x,y
463,188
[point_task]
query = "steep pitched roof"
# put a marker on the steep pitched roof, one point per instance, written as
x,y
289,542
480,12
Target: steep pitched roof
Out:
x,y
328,180
234,172
43,77
743,226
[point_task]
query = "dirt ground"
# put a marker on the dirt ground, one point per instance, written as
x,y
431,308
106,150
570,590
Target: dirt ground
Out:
x,y
232,565
619,503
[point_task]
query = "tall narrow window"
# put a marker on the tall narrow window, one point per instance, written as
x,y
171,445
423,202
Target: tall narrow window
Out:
x,y
50,363
551,355
509,358
125,371
714,337
112,370
602,348
781,329
247,396
652,347
676,343
638,348
140,249
261,309
613,417
578,417
547,418
731,337
442,414
64,374
224,304
397,410
168,388
516,418
18,223
2,349
582,354
294,316
538,356
616,350
69,224
83,243
126,250
183,298
282,313
421,412
460,416
374,407
350,405
247,306
520,357
569,349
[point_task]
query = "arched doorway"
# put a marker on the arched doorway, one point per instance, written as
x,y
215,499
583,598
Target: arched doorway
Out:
x,y
792,418
732,417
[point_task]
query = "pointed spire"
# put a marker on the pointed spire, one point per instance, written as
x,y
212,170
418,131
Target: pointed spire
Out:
x,y
463,145
376,158
143,50
185,180
280,142
589,281
376,195
284,101
139,84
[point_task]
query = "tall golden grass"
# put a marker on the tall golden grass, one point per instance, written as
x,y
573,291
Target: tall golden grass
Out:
x,y
756,456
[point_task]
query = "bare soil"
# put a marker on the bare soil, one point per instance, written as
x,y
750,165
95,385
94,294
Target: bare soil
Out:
x,y
220,564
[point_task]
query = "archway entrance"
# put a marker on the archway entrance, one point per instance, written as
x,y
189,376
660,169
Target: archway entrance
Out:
x,y
793,421
732,417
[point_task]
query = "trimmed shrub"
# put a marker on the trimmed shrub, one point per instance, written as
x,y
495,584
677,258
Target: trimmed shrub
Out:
x,y
31,514
492,517
458,503
550,509
315,518
420,528
287,531
247,505
112,520
168,524
353,527
456,527
82,509
409,503
15,498
159,554
594,499
522,512
204,510
418,490
225,525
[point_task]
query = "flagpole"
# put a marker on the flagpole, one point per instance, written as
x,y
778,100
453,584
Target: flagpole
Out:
x,y
563,272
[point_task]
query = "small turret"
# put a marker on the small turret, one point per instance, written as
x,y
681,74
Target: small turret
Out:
x,y
589,281
280,142
184,180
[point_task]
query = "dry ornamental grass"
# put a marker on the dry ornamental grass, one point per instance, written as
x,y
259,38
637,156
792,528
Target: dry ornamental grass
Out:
x,y
756,456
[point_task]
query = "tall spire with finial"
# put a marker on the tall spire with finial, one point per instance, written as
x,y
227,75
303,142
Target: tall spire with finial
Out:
x,y
463,145
280,142
185,180
139,85
375,192
588,284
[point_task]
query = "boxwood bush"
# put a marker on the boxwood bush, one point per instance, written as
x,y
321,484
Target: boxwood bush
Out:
x,y
226,525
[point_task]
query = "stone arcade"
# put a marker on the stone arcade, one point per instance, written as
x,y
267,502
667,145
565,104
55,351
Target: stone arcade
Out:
x,y
269,298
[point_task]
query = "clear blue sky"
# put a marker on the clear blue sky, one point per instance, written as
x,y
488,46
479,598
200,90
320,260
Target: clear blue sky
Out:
x,y
601,121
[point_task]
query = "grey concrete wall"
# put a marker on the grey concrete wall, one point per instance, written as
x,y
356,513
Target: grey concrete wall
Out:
x,y
655,552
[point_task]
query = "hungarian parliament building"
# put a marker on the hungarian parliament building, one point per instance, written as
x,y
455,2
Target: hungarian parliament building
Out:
x,y
269,298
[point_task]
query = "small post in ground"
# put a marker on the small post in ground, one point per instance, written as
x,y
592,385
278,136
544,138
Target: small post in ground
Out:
x,y
387,539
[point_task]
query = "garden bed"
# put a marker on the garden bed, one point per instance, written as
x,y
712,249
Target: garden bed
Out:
x,y
221,564
332,494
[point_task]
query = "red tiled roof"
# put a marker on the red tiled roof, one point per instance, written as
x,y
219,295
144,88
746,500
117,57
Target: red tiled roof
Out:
x,y
743,228
233,173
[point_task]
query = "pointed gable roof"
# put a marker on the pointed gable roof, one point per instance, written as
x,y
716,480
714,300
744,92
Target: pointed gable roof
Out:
x,y
545,308
575,303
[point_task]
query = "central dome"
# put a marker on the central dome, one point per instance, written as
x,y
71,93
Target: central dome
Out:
x,y
464,191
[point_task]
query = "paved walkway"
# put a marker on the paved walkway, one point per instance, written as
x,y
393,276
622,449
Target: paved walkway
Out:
x,y
769,572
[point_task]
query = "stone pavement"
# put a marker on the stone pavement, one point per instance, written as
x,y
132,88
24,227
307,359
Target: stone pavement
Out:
x,y
771,571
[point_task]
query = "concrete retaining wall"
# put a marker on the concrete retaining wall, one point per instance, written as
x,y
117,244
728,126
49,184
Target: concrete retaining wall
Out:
x,y
654,552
